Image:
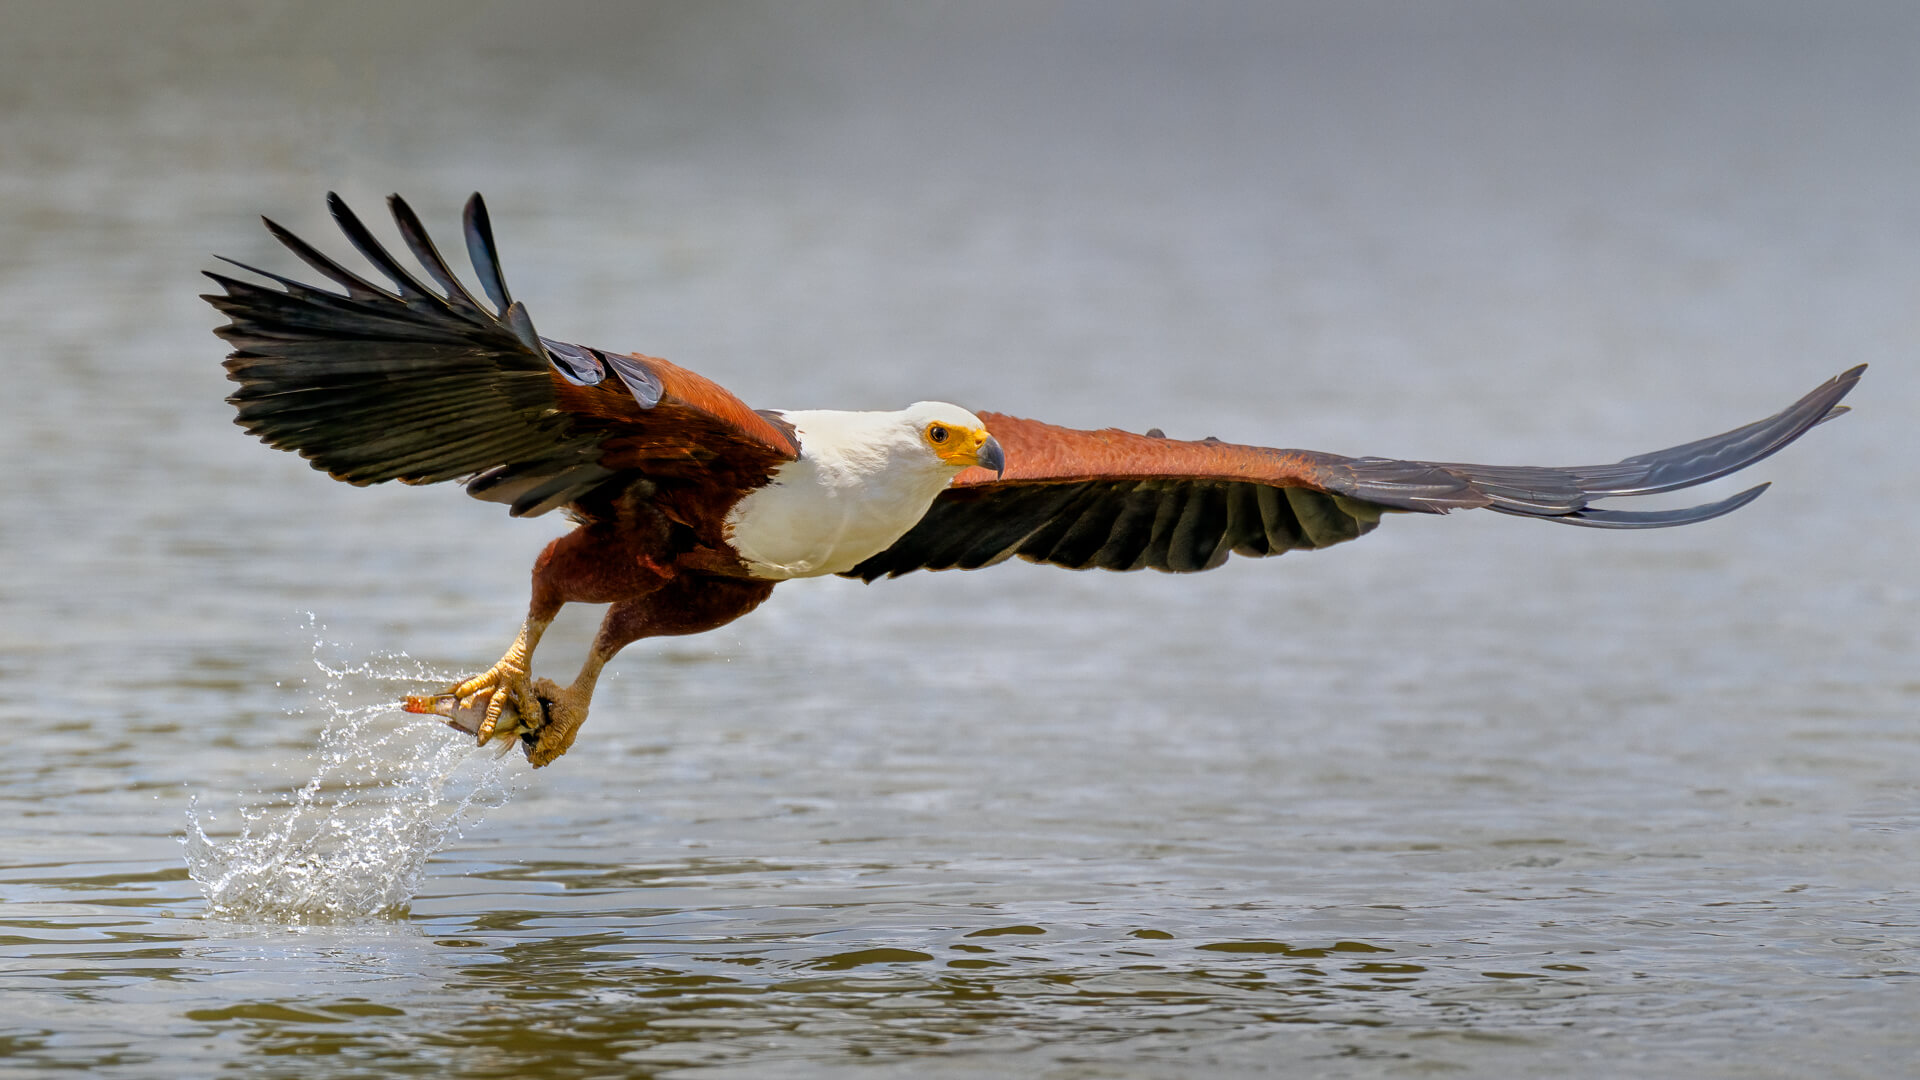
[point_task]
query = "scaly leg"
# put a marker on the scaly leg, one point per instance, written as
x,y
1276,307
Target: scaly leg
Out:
x,y
603,563
565,709
690,604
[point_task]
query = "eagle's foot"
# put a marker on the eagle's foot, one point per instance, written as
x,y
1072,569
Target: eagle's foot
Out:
x,y
507,683
467,714
565,709
497,703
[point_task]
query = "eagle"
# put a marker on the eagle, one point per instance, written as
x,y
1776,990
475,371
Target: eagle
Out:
x,y
689,506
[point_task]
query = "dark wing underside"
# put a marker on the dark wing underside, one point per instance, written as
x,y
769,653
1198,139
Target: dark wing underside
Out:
x,y
1121,501
418,384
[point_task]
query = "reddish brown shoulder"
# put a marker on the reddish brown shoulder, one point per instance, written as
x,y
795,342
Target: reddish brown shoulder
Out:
x,y
684,396
696,391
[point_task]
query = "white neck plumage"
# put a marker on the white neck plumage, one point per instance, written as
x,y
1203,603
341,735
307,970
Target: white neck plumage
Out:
x,y
861,481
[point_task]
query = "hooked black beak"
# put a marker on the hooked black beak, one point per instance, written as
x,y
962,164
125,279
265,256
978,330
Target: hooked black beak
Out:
x,y
990,456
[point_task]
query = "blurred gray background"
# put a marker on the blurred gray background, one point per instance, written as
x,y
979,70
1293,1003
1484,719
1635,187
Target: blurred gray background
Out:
x,y
1469,231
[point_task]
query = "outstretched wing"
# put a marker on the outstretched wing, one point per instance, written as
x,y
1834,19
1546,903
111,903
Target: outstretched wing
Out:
x,y
1121,501
420,385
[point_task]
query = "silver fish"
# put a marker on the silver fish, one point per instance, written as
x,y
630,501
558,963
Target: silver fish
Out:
x,y
466,714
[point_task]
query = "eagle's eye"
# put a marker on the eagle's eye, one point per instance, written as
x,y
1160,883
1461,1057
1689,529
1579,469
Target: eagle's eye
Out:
x,y
937,433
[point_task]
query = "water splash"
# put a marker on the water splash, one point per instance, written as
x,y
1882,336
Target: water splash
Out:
x,y
388,791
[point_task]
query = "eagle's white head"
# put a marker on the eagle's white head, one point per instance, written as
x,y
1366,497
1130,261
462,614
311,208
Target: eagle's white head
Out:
x,y
956,437
862,480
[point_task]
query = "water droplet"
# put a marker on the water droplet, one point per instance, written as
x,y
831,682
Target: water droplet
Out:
x,y
388,790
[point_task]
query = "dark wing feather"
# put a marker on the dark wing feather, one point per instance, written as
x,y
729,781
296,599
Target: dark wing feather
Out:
x,y
1121,501
423,384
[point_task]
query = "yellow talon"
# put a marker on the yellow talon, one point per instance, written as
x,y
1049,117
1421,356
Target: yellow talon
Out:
x,y
468,714
504,682
563,710
497,703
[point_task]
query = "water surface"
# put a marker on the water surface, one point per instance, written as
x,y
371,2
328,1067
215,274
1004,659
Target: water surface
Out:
x,y
1470,794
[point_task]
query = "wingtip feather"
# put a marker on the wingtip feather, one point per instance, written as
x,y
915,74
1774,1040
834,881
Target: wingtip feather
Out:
x,y
484,253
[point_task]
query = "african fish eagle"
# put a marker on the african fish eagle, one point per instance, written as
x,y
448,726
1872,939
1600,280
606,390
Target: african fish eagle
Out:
x,y
690,506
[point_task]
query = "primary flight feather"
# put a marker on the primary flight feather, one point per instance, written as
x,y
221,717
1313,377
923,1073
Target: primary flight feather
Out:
x,y
691,506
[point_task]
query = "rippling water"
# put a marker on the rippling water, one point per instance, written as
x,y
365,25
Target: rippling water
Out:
x,y
1470,794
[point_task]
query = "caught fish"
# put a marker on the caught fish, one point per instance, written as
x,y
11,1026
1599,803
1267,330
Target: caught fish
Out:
x,y
466,714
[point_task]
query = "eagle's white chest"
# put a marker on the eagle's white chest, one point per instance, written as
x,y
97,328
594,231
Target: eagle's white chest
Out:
x,y
860,483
